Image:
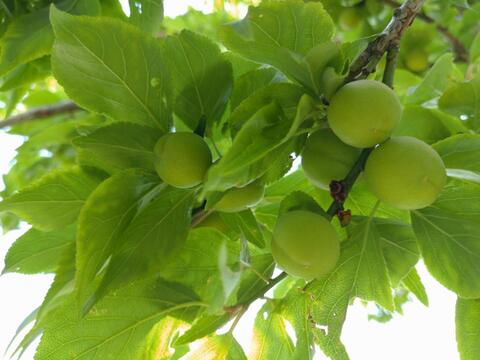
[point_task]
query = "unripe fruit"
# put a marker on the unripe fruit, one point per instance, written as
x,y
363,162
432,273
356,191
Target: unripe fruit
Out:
x,y
182,159
326,158
238,199
305,244
364,113
416,61
406,173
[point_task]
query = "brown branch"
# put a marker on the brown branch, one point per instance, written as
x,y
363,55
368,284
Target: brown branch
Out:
x,y
368,59
461,52
40,113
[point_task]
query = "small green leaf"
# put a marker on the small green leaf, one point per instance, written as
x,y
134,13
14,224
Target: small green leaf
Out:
x,y
246,224
201,78
108,148
106,214
53,201
146,14
37,251
448,233
468,332
414,284
111,67
203,326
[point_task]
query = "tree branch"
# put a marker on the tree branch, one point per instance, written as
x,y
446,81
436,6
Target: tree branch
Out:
x,y
461,52
367,60
40,113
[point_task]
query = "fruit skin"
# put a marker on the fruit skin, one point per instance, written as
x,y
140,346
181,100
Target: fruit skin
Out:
x,y
364,113
238,199
416,61
325,158
182,159
405,172
305,244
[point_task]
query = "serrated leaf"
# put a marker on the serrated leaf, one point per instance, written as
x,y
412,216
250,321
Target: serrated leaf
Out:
x,y
117,326
201,78
448,233
146,14
118,146
151,241
468,332
37,251
53,201
30,36
361,272
223,347
414,284
106,214
110,67
434,82
259,38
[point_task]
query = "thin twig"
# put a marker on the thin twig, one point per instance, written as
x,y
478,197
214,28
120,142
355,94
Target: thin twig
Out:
x,y
367,60
391,65
461,52
40,113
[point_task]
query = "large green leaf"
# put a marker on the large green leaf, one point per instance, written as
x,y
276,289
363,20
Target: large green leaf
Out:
x,y
460,152
106,214
281,34
361,272
37,251
468,332
223,347
151,241
146,14
110,67
53,201
30,36
448,234
118,326
201,78
109,149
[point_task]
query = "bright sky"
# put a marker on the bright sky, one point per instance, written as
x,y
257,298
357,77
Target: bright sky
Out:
x,y
420,334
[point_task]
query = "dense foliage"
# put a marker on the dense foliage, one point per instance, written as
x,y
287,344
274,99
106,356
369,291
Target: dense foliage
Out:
x,y
158,240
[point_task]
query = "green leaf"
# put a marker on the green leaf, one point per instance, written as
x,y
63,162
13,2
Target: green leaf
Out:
x,y
270,337
53,201
223,347
281,34
448,234
414,284
202,327
463,98
250,82
428,125
25,74
434,82
106,214
399,247
361,272
111,67
246,224
29,37
146,14
468,332
201,78
37,251
118,326
460,152
151,241
159,341
108,148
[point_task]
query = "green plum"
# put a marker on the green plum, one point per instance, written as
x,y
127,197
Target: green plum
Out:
x,y
364,113
238,199
305,244
416,61
349,19
182,159
406,173
325,158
